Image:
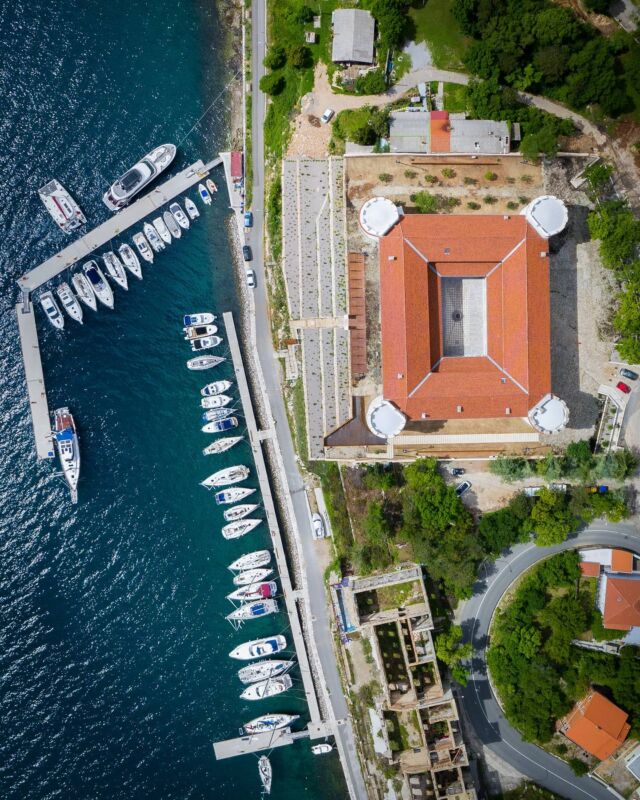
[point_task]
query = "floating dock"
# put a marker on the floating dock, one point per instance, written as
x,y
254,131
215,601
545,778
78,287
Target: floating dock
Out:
x,y
244,745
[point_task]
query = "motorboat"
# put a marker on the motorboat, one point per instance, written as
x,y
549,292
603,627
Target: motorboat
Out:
x,y
192,208
255,610
115,269
211,186
52,310
239,512
232,495
206,343
221,446
263,670
181,218
204,194
234,530
140,175
259,558
226,477
204,362
130,260
172,225
321,749
198,331
198,319
266,773
251,576
98,283
217,414
140,241
269,722
152,237
269,688
65,437
254,591
217,387
162,230
217,401
69,302
221,425
259,648
84,290
64,210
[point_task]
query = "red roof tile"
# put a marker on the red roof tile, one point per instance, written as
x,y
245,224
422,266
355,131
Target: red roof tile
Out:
x,y
440,132
590,569
621,561
622,602
597,725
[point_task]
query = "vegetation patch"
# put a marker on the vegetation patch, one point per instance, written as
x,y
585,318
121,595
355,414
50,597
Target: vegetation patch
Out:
x,y
433,23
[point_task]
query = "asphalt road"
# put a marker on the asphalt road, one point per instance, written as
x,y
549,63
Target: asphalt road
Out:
x,y
271,372
479,702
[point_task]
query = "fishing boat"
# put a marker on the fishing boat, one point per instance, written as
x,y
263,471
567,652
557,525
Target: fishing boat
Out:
x,y
52,310
170,222
130,260
266,773
254,591
192,208
321,749
226,477
234,530
258,648
140,241
64,210
251,576
204,318
69,302
140,175
269,722
221,446
259,558
181,218
198,331
211,186
239,512
217,414
204,194
152,237
206,343
255,610
65,437
221,425
269,688
204,362
115,269
232,495
162,230
84,291
98,283
217,401
217,387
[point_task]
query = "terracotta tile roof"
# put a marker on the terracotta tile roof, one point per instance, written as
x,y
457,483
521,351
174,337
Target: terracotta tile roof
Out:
x,y
515,373
590,569
440,132
622,602
597,725
621,561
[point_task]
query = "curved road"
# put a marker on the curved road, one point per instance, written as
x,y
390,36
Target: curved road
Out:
x,y
480,705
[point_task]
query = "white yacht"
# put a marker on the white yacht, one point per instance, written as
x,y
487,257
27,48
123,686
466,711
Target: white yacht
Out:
x,y
269,722
221,445
52,310
254,591
84,290
226,477
255,610
98,283
217,401
192,208
63,208
321,749
162,230
268,688
206,343
140,241
115,270
234,530
251,576
66,441
211,186
172,225
217,414
199,331
130,260
265,772
204,362
140,175
204,194
221,425
152,237
181,218
261,670
258,648
259,558
69,302
204,318
232,495
217,387
239,512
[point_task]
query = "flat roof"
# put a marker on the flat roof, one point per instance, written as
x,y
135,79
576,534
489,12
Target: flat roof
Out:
x,y
478,136
409,131
353,36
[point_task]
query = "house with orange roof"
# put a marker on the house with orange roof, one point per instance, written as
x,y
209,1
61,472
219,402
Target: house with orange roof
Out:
x,y
619,600
596,725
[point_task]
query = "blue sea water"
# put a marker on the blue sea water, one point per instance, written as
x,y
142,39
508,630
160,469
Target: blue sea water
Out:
x,y
114,676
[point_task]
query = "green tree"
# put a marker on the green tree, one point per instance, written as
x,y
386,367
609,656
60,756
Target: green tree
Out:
x,y
599,178
373,82
272,83
425,203
618,230
452,652
299,56
552,518
510,469
276,57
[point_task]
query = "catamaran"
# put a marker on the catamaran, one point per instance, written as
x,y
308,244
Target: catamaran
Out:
x,y
152,237
268,688
255,610
162,230
217,414
241,527
130,260
84,291
217,387
63,208
251,576
205,362
115,270
269,722
255,591
217,401
140,241
98,283
181,218
192,208
226,477
140,175
221,446
259,558
69,302
266,773
66,441
204,194
198,331
170,222
258,648
238,512
52,310
232,495
204,318
221,425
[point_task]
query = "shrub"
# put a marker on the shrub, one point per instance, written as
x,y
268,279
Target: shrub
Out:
x,y
385,177
489,199
300,56
526,178
425,203
523,200
276,57
272,84
452,202
473,206
578,766
410,174
448,172
511,205
371,83
430,179
490,176
469,181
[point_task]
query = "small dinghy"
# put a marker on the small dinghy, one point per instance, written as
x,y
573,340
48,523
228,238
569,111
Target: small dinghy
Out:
x,y
69,302
170,222
226,477
84,291
247,611
198,319
130,260
217,401
204,194
221,425
259,648
251,576
255,591
239,528
181,218
259,558
268,688
52,310
199,331
115,270
221,446
262,670
98,283
162,230
211,186
239,512
140,241
217,387
152,237
232,495
192,208
321,749
216,414
266,773
204,362
269,722
206,343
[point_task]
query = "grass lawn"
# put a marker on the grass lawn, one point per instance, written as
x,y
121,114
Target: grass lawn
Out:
x,y
454,97
435,25
390,597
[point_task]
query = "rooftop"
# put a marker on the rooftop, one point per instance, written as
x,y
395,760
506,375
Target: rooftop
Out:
x,y
353,36
419,131
596,725
622,601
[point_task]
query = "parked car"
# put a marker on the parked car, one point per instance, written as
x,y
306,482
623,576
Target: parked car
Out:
x,y
629,373
597,489
318,526
456,471
329,112
248,219
251,278
463,487
246,253
623,387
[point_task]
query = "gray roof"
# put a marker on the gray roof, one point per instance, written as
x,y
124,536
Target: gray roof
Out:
x,y
409,132
479,136
353,35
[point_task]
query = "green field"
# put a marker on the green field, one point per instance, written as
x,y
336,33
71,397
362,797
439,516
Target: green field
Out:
x,y
435,25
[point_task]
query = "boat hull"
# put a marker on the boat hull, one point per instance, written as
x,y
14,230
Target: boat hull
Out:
x,y
84,291
259,648
259,558
65,437
143,247
122,191
98,283
130,260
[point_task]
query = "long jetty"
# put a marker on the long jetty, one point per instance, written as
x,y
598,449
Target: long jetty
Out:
x,y
316,728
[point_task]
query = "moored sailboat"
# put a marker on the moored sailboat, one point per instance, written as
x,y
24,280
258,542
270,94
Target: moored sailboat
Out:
x,y
66,440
